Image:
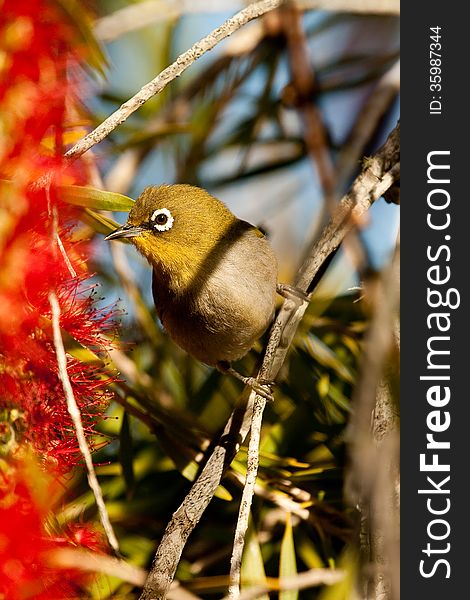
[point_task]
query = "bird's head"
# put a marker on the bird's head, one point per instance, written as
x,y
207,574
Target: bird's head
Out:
x,y
177,228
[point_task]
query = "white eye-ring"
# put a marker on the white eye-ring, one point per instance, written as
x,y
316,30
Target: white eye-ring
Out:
x,y
163,219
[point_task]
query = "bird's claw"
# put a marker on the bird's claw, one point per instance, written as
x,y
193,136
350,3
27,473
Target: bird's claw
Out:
x,y
263,387
291,293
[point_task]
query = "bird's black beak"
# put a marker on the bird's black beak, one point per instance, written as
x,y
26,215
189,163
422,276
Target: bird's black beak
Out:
x,y
126,231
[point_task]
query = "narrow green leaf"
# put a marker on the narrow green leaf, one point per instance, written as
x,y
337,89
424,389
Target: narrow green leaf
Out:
x,y
344,589
100,223
89,197
326,357
287,561
252,569
308,552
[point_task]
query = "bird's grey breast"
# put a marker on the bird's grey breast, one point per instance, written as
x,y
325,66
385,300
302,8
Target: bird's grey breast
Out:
x,y
230,304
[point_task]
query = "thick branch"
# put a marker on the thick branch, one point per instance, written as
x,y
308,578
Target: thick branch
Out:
x,y
371,483
376,177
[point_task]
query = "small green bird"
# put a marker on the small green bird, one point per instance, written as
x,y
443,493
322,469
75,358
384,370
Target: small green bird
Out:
x,y
214,276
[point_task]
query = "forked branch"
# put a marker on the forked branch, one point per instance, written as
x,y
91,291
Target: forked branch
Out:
x,y
377,175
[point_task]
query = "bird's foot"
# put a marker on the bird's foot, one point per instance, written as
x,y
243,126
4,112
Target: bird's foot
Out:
x,y
290,292
263,387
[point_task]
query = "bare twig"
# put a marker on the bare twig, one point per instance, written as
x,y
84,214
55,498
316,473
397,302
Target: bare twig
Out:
x,y
73,558
74,412
52,210
145,13
376,177
139,15
172,72
373,7
301,581
247,497
77,558
281,499
121,175
196,501
61,245
288,20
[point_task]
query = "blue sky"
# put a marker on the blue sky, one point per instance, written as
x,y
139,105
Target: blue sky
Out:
x,y
287,202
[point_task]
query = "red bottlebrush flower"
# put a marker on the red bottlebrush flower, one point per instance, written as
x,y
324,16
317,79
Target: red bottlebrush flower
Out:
x,y
84,536
26,572
41,49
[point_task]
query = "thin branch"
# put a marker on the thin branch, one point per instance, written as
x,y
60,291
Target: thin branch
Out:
x,y
301,92
289,20
61,247
281,499
372,7
247,497
351,208
301,581
74,558
52,210
377,176
187,516
183,61
136,16
74,412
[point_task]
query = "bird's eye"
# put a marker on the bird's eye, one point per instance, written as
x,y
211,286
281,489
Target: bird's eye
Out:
x,y
162,219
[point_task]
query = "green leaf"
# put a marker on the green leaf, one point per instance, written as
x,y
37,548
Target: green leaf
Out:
x,y
287,562
100,223
319,351
252,569
89,197
344,589
307,551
